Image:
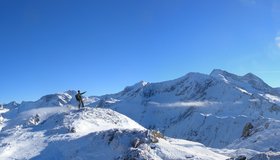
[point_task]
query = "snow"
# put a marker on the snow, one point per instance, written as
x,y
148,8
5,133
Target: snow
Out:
x,y
211,109
186,104
91,133
263,138
243,91
201,117
272,98
195,150
98,120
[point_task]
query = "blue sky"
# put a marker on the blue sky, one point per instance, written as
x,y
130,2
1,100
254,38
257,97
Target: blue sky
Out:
x,y
50,46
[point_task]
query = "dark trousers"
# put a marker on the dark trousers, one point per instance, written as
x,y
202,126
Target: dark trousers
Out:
x,y
81,102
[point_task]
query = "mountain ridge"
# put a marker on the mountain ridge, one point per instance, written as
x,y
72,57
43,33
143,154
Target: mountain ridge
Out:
x,y
237,96
210,109
214,73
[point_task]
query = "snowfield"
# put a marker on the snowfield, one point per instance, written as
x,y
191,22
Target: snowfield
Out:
x,y
92,133
198,116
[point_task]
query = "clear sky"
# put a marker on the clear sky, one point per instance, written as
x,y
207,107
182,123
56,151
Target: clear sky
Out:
x,y
101,46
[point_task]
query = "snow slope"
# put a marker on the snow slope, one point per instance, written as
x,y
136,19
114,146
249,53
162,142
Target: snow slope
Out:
x,y
94,133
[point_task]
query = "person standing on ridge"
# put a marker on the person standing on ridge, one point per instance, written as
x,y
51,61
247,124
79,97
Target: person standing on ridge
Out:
x,y
80,99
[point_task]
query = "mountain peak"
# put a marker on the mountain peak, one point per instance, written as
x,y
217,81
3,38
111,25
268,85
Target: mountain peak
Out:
x,y
255,81
12,104
251,76
219,72
133,89
71,92
141,84
136,86
248,78
224,75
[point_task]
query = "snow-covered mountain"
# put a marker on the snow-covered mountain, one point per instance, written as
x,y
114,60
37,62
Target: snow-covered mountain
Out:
x,y
237,115
211,109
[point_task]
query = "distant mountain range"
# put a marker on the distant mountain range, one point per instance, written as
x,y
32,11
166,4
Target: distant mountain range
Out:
x,y
237,115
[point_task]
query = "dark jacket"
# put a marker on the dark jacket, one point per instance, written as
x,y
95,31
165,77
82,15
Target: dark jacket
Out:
x,y
79,96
